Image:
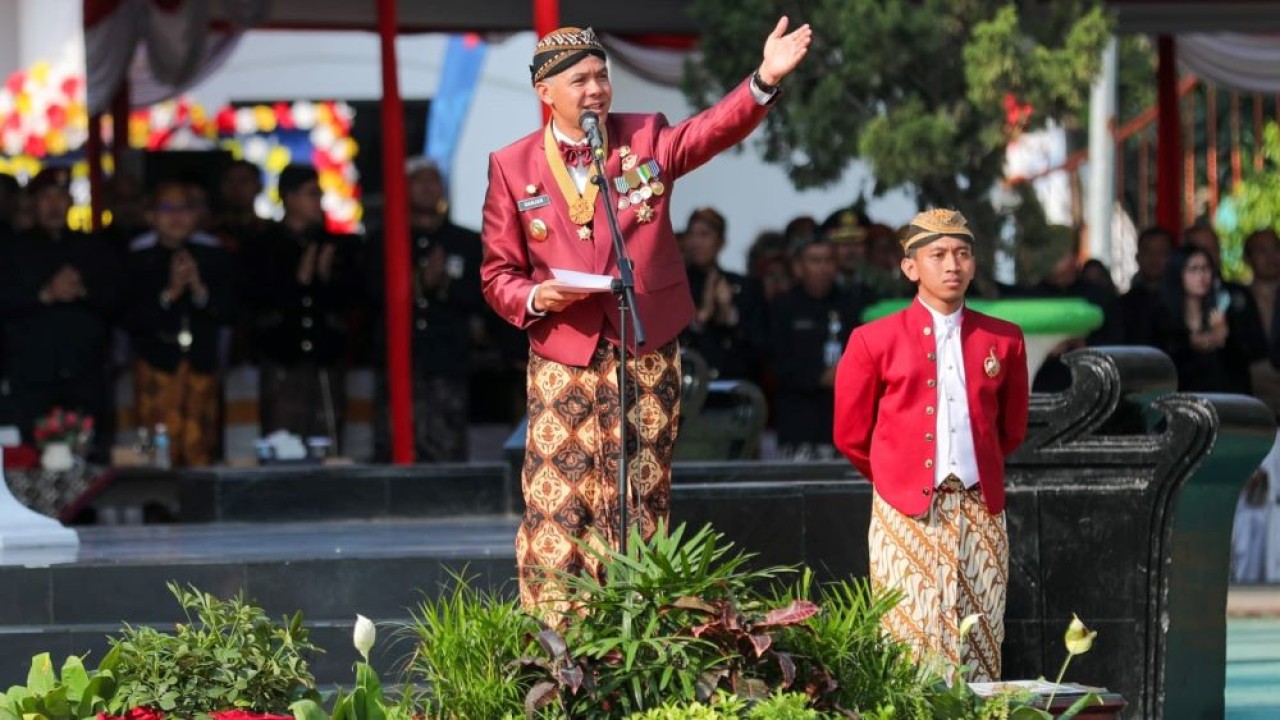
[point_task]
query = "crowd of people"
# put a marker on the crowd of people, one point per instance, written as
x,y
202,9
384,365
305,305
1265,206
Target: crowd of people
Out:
x,y
186,283
809,284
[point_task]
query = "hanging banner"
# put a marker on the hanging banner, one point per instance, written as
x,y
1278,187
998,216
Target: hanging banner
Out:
x,y
463,59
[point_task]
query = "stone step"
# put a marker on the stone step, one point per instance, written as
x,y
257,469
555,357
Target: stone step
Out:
x,y
330,571
307,492
288,493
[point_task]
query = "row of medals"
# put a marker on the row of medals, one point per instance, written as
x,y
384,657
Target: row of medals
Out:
x,y
636,186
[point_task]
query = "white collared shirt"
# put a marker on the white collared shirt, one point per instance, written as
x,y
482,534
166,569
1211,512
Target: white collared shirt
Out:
x,y
955,453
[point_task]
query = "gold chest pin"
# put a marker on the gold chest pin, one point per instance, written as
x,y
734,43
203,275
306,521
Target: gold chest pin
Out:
x,y
991,365
538,230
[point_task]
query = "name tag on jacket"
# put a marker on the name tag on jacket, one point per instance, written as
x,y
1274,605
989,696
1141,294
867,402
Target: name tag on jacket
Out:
x,y
533,202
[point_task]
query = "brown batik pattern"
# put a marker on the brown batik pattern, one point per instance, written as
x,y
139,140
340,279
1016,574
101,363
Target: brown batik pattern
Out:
x,y
570,469
951,563
186,402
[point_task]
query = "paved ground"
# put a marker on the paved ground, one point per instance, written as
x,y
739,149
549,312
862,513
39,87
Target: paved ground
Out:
x,y
1253,668
1253,652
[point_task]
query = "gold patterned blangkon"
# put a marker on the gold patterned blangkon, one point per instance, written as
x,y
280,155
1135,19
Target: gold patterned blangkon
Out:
x,y
934,223
563,42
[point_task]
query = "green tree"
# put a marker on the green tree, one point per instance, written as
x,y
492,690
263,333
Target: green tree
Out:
x,y
1254,204
917,88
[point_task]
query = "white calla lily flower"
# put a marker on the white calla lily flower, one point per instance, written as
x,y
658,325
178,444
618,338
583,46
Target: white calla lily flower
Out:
x,y
364,636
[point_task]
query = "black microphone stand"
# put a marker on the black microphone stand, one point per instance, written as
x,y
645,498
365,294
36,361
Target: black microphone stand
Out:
x,y
624,288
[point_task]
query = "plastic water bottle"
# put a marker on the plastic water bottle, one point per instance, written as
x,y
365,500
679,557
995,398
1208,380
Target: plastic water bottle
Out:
x,y
831,349
160,447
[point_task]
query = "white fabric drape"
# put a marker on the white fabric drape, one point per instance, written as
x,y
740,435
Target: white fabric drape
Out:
x,y
109,45
146,89
165,46
664,66
175,37
1233,60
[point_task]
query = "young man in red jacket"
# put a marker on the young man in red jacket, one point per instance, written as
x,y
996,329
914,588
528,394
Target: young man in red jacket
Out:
x,y
542,211
929,401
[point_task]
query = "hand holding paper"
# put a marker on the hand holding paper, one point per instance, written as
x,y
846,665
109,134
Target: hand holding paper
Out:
x,y
575,281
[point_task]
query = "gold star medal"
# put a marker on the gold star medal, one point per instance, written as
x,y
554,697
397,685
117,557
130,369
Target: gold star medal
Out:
x,y
644,213
531,189
991,366
584,232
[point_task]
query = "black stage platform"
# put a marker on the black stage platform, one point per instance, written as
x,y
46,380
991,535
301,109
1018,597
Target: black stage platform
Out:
x,y
341,544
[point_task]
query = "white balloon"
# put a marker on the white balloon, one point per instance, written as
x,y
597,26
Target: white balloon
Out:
x,y
304,114
245,124
322,137
256,149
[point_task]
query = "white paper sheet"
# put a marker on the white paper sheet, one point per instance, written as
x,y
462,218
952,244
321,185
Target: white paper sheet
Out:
x,y
577,281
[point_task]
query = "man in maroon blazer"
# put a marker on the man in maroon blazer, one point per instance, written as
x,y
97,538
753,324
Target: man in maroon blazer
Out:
x,y
541,212
929,401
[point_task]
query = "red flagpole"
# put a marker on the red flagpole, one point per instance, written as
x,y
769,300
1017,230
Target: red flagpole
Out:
x,y
395,244
546,17
1168,139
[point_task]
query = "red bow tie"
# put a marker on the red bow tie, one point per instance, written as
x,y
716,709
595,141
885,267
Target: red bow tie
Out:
x,y
575,155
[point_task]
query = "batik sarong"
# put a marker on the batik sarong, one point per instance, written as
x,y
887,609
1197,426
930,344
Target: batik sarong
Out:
x,y
186,402
951,563
570,469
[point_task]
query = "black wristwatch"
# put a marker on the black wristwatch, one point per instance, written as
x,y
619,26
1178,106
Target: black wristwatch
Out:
x,y
761,85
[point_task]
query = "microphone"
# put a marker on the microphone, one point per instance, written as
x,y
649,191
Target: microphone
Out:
x,y
590,124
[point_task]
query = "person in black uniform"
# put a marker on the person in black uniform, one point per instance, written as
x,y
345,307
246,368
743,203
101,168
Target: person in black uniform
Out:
x,y
10,198
1065,281
808,329
1140,306
299,282
846,230
123,200
446,299
181,296
58,294
727,327
236,222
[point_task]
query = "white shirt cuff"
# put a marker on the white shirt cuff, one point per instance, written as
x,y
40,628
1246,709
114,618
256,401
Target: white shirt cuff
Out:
x,y
528,304
762,97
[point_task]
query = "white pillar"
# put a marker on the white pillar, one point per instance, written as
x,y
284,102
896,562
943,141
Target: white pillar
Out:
x,y
1102,158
